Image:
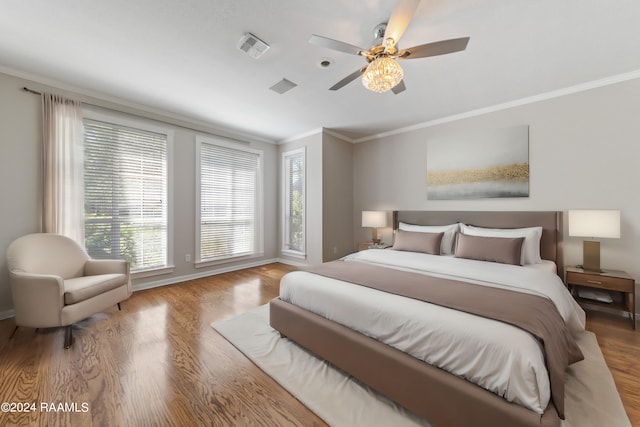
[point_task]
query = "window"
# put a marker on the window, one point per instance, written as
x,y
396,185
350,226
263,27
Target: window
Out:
x,y
293,177
126,192
229,204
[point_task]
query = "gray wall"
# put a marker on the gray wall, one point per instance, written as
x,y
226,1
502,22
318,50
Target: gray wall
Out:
x,y
20,160
337,197
20,165
583,155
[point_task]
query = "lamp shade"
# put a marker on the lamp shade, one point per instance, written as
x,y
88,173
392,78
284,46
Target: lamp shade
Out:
x,y
594,223
374,219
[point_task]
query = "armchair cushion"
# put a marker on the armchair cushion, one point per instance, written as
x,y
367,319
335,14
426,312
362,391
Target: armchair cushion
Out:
x,y
82,288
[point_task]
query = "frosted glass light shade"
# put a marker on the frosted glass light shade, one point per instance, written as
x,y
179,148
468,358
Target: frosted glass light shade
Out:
x,y
382,74
374,219
594,223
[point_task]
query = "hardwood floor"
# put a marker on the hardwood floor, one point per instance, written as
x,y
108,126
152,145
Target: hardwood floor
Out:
x,y
620,345
158,362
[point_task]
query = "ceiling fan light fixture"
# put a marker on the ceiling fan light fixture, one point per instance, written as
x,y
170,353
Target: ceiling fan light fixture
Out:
x,y
382,74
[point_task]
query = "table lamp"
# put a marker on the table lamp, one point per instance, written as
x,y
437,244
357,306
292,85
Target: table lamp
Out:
x,y
374,219
594,224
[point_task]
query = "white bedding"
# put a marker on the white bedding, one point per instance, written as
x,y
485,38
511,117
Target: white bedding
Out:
x,y
494,355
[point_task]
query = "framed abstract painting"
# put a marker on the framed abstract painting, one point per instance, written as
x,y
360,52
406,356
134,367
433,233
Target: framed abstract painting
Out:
x,y
484,164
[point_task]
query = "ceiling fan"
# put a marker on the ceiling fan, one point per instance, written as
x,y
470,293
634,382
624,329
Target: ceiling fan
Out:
x,y
382,72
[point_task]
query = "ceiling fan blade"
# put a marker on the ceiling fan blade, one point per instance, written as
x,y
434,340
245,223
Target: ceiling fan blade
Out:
x,y
434,49
335,44
400,18
351,77
400,87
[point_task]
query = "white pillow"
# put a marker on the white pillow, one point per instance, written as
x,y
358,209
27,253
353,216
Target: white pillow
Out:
x,y
449,237
530,246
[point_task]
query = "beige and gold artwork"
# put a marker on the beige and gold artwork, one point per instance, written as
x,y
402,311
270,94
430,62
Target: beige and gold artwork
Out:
x,y
517,172
477,164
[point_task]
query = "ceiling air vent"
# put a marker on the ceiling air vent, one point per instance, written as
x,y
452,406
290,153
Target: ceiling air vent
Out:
x,y
283,86
252,46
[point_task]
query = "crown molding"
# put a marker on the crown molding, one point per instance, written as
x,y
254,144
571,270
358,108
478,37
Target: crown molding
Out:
x,y
506,105
339,135
299,136
102,100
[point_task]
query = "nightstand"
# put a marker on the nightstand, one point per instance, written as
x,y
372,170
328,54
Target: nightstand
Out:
x,y
363,246
616,282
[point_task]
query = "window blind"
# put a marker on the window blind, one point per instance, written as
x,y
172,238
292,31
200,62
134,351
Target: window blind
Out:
x,y
125,194
294,203
229,185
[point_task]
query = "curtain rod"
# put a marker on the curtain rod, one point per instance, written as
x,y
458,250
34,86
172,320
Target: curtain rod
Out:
x,y
35,92
26,89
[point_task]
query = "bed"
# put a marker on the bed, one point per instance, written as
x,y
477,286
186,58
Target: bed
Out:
x,y
426,379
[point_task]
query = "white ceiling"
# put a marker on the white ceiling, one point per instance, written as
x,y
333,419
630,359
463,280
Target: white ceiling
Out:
x,y
181,56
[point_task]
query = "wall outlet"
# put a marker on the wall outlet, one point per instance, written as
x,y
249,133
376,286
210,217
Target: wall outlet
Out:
x,y
187,257
335,250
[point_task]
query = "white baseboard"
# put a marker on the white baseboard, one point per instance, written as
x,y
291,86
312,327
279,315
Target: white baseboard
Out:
x,y
5,314
207,273
292,262
213,272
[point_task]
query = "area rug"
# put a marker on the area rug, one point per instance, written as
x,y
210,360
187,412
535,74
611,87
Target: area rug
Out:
x,y
591,398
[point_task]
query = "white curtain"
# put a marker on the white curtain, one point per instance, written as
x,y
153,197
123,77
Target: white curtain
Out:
x,y
63,169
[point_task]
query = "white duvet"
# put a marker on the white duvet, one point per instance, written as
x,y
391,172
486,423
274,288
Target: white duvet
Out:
x,y
501,358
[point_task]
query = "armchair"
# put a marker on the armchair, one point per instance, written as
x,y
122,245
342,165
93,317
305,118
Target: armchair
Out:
x,y
55,283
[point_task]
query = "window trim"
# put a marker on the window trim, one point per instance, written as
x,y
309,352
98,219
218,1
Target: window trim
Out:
x,y
283,219
135,122
259,211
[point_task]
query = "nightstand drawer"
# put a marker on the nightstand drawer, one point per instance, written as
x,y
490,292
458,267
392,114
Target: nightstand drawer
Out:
x,y
364,246
599,281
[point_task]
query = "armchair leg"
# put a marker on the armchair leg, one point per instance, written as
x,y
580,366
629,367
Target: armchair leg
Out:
x,y
67,337
119,309
14,332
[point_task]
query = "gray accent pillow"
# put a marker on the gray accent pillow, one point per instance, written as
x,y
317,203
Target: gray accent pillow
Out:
x,y
412,241
505,250
449,238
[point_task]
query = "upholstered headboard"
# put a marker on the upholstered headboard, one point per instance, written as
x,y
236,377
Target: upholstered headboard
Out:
x,y
551,222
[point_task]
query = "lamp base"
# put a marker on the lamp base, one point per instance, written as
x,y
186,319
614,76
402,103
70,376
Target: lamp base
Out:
x,y
374,236
591,256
